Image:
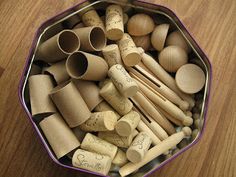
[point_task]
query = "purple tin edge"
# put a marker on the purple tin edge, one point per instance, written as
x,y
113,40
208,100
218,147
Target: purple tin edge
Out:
x,y
26,65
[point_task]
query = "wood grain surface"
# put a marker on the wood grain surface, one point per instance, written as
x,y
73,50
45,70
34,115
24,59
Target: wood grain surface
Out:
x,y
213,25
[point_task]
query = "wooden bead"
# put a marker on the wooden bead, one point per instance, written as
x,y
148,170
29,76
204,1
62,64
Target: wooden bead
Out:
x,y
190,78
159,35
172,58
140,25
142,41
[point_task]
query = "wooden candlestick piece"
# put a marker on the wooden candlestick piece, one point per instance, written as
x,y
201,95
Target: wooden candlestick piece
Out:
x,y
159,35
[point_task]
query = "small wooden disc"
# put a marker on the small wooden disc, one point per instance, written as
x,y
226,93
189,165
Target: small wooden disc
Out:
x,y
190,78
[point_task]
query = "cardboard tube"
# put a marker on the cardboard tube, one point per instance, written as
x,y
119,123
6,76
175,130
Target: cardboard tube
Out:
x,y
121,104
59,46
39,87
91,161
129,52
79,25
58,71
91,18
157,150
80,134
59,135
122,80
35,69
111,54
85,66
100,121
139,147
104,106
120,159
70,103
114,138
103,82
92,38
114,22
94,144
90,93
126,125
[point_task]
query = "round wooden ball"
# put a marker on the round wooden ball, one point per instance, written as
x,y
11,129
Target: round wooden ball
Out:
x,y
142,41
190,78
172,58
159,35
140,25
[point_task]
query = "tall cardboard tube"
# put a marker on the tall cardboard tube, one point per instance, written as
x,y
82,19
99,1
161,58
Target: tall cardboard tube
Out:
x,y
111,54
92,38
59,135
85,66
70,103
59,46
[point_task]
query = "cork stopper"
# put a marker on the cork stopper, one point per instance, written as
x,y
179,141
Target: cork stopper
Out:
x,y
187,131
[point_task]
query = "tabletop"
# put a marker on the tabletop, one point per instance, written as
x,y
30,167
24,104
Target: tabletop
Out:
x,y
213,25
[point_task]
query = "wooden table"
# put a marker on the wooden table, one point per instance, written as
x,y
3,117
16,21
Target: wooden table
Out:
x,y
213,25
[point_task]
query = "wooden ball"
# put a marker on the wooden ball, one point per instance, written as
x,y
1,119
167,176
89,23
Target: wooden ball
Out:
x,y
176,38
142,41
190,78
172,58
159,35
140,25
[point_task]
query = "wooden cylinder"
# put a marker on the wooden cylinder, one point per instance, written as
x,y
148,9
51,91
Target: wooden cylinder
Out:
x,y
111,54
129,52
100,121
159,35
120,159
139,147
121,104
104,106
59,135
91,18
126,125
122,80
114,22
142,41
91,161
94,144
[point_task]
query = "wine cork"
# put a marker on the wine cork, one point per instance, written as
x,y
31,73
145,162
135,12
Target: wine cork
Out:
x,y
104,106
120,159
125,18
121,104
59,135
94,144
195,134
92,38
111,54
85,66
100,121
58,72
122,80
114,22
126,125
129,52
70,104
59,46
114,138
91,18
139,147
91,161
196,115
90,93
39,88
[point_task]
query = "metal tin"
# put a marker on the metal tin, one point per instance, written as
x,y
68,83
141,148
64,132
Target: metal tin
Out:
x,y
68,19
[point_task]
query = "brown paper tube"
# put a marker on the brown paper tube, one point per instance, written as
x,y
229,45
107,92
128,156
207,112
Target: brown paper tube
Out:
x,y
121,104
114,22
39,87
91,18
80,134
100,121
126,125
103,82
122,80
111,54
92,38
70,103
129,52
120,159
94,144
59,135
35,69
79,25
104,106
59,46
90,93
81,65
58,71
139,147
91,161
114,138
